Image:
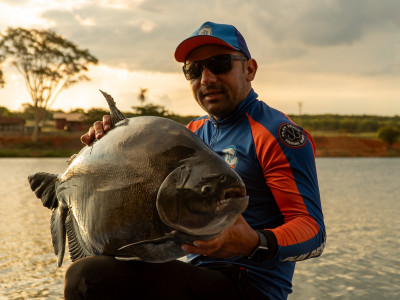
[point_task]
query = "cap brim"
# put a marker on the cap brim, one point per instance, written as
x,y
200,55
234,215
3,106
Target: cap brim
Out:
x,y
184,48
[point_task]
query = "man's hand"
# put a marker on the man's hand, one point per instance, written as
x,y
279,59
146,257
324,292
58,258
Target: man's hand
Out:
x,y
239,239
97,131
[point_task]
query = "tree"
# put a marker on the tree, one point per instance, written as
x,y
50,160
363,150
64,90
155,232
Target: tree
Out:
x,y
389,134
1,75
95,114
150,110
142,96
48,62
4,111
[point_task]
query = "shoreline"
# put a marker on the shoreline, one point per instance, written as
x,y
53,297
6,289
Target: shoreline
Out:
x,y
65,145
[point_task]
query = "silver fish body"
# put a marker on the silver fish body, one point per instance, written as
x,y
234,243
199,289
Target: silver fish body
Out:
x,y
145,188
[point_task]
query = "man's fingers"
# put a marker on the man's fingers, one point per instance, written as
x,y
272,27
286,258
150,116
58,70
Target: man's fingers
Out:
x,y
88,137
99,129
106,122
202,247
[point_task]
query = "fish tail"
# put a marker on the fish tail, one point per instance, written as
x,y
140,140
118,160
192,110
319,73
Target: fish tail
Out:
x,y
116,115
43,184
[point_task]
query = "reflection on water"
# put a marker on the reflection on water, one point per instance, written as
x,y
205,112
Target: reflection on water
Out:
x,y
361,260
361,203
28,268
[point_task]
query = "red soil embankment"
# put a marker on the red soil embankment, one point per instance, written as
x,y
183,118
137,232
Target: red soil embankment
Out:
x,y
339,146
327,146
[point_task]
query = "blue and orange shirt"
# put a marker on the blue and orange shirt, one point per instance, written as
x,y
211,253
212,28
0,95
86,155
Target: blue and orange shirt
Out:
x,y
276,160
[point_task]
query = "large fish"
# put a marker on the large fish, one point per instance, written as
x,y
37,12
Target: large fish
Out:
x,y
148,186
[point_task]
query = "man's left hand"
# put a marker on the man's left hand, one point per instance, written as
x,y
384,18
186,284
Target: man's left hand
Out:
x,y
239,239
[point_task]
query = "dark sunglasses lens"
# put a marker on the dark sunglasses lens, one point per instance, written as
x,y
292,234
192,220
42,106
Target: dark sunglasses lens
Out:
x,y
217,65
192,70
220,64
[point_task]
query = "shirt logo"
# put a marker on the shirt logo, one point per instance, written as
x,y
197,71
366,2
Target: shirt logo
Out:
x,y
206,30
230,156
291,135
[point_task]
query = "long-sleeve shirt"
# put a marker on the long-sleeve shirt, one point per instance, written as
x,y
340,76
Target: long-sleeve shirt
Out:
x,y
276,160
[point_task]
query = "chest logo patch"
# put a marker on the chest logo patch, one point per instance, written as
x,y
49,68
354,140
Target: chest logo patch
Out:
x,y
230,156
291,135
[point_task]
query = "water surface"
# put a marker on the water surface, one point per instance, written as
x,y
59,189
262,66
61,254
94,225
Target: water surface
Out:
x,y
361,203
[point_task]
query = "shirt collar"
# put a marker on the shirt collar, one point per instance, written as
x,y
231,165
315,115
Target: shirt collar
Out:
x,y
238,111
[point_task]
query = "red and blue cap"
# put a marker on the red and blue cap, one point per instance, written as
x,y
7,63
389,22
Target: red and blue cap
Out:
x,y
211,33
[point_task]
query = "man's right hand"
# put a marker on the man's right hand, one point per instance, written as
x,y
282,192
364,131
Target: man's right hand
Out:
x,y
97,131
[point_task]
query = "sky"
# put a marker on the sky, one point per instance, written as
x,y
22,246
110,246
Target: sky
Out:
x,y
314,56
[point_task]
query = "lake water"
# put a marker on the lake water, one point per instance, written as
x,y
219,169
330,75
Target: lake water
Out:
x,y
361,203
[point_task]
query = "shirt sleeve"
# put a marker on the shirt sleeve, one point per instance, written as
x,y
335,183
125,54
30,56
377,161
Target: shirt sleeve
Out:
x,y
290,172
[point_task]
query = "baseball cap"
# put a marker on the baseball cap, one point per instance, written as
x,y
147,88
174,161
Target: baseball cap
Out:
x,y
215,34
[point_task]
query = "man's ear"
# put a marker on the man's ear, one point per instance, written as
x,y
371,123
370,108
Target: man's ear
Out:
x,y
251,68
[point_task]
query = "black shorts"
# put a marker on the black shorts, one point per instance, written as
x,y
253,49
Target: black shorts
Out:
x,y
104,277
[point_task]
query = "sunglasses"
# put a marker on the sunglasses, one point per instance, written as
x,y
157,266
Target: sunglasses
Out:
x,y
218,64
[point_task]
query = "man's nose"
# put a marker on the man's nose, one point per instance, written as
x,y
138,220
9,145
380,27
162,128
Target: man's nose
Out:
x,y
207,76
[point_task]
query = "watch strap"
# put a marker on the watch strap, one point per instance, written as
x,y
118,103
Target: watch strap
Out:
x,y
260,252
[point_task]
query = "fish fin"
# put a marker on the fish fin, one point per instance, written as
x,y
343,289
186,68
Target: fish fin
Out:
x,y
157,251
43,184
58,232
76,250
116,115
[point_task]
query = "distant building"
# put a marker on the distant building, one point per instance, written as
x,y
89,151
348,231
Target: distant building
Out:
x,y
12,125
69,121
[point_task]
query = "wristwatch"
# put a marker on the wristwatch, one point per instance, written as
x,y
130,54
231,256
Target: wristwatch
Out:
x,y
260,253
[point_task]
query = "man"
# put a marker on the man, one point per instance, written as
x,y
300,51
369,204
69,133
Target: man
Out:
x,y
255,257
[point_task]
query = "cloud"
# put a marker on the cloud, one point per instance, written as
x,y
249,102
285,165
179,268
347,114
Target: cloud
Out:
x,y
142,35
128,37
329,22
291,40
15,3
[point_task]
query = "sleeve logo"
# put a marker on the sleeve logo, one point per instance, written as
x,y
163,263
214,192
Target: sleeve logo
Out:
x,y
291,135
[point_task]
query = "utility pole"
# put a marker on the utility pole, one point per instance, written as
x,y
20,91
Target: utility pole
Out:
x,y
300,107
300,112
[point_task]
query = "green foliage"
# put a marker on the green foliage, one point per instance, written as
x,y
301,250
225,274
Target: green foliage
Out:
x,y
389,134
4,111
77,110
345,124
28,112
321,123
159,111
95,114
150,110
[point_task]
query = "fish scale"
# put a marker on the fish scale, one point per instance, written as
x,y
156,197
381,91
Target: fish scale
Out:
x,y
140,192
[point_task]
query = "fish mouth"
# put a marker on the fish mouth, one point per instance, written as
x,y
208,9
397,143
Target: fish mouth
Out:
x,y
231,195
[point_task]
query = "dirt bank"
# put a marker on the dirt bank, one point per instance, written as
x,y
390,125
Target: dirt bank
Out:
x,y
344,146
332,146
48,146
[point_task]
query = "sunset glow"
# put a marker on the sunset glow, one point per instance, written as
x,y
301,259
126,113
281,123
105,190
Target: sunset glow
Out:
x,y
329,56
